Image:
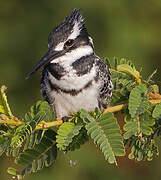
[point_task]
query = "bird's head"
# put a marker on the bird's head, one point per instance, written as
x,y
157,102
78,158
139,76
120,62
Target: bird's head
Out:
x,y
70,36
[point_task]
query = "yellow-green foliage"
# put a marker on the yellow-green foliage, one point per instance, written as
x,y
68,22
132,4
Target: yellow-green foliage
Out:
x,y
34,144
105,132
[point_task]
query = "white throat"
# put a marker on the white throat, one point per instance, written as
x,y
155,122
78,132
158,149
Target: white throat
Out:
x,y
71,80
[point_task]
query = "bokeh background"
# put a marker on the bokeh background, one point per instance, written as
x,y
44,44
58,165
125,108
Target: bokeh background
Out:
x,y
122,28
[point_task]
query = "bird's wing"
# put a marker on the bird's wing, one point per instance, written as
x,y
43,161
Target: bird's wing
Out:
x,y
104,79
46,87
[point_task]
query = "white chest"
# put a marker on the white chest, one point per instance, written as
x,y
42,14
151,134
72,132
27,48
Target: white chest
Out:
x,y
65,104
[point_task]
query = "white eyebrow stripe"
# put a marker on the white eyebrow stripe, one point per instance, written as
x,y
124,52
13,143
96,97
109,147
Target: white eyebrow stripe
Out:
x,y
73,35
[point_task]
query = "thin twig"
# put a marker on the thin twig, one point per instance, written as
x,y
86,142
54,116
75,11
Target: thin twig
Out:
x,y
114,108
57,122
11,122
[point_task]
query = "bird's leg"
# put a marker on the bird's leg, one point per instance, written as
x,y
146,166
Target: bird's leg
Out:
x,y
65,118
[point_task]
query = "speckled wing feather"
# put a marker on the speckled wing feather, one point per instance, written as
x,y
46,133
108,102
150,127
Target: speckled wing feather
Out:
x,y
46,87
104,78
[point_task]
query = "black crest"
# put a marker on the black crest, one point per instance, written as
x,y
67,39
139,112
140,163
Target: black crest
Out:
x,y
63,30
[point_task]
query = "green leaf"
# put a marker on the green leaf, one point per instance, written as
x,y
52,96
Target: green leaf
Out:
x,y
66,133
13,171
34,138
144,106
3,144
143,149
42,154
6,134
78,140
4,106
140,125
85,116
136,98
41,109
123,80
106,134
128,67
21,133
123,83
157,112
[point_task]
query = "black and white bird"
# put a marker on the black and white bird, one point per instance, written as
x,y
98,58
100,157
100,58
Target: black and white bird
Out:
x,y
73,77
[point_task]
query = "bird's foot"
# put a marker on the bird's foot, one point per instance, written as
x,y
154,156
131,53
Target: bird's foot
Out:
x,y
65,119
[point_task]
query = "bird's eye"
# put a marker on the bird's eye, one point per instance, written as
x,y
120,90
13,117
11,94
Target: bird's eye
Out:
x,y
69,43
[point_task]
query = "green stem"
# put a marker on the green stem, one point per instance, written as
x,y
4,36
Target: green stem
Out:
x,y
45,125
41,125
114,108
11,122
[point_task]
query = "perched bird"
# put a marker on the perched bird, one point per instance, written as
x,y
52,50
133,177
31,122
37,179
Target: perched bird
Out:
x,y
73,77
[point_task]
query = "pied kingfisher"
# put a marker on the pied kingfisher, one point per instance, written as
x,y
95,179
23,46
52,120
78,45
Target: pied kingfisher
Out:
x,y
73,77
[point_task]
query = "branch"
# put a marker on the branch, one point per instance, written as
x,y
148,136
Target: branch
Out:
x,y
44,124
41,125
114,108
121,106
58,121
11,122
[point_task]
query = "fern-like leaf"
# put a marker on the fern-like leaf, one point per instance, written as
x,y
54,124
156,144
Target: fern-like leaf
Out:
x,y
136,98
3,144
78,140
106,133
24,131
140,125
123,83
42,154
42,108
157,112
129,68
66,133
143,149
41,111
34,138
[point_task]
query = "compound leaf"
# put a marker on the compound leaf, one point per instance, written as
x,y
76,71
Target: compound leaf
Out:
x,y
140,125
66,132
106,134
42,154
157,112
136,98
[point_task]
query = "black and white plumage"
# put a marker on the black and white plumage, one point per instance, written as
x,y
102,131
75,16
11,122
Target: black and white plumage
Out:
x,y
73,76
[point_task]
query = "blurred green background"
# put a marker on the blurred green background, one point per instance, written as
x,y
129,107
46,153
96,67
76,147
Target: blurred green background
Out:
x,y
122,28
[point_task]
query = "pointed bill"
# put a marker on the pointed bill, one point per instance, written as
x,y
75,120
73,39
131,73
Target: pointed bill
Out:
x,y
49,56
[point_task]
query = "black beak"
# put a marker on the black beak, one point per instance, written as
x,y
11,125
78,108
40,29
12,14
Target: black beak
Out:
x,y
49,56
